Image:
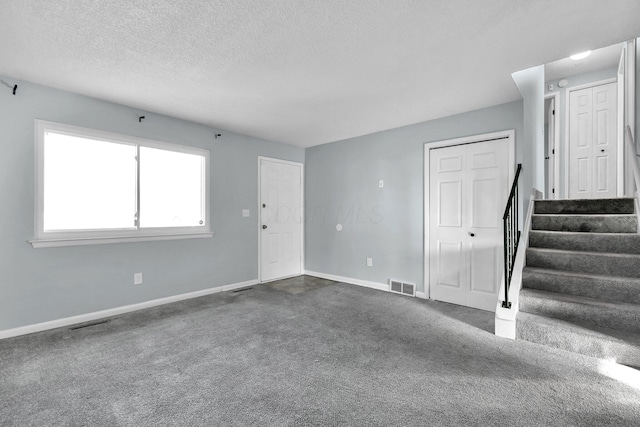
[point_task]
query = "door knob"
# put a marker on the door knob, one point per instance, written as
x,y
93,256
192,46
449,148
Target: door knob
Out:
x,y
264,227
472,234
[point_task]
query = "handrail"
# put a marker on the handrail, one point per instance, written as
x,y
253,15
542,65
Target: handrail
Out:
x,y
511,235
635,159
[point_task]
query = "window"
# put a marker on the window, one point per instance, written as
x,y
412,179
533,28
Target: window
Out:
x,y
98,187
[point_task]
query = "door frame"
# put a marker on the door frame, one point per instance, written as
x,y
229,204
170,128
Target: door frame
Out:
x,y
556,136
509,134
621,101
259,216
567,111
628,59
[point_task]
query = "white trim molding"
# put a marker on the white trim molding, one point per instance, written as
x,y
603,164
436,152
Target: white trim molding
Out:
x,y
52,243
349,280
364,283
67,321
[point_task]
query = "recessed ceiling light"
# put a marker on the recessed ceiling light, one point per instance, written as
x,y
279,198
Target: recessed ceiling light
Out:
x,y
581,55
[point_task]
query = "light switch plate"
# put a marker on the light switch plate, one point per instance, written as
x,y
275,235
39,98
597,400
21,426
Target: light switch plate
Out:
x,y
381,183
137,279
369,262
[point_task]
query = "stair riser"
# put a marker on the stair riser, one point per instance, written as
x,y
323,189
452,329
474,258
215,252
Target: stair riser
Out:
x,y
590,242
586,262
585,224
564,339
602,288
610,317
593,206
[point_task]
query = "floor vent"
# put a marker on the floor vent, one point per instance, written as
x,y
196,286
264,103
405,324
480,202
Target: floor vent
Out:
x,y
241,290
86,325
403,288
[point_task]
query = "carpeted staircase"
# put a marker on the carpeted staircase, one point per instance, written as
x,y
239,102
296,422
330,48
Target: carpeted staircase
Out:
x,y
581,284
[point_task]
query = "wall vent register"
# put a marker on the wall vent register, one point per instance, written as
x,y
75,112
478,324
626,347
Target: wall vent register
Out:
x,y
403,288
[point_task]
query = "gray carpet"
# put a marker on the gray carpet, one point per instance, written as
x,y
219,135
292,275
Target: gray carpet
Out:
x,y
618,205
333,355
300,284
581,290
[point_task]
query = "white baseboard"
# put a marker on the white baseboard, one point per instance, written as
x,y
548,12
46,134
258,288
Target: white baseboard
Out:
x,y
365,283
352,281
58,323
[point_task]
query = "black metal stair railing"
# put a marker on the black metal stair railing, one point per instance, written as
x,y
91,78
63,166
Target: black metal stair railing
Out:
x,y
511,235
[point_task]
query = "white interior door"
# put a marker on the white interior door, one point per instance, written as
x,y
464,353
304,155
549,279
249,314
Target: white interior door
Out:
x,y
593,150
280,219
468,188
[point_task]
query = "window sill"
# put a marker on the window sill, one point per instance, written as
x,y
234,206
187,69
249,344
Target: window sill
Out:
x,y
52,243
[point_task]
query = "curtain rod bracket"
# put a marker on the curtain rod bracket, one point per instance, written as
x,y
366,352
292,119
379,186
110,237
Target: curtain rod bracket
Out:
x,y
14,87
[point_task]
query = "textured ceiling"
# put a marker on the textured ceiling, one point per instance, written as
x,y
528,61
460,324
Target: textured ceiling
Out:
x,y
303,72
600,59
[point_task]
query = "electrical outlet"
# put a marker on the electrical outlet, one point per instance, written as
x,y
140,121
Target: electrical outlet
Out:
x,y
245,213
369,262
137,279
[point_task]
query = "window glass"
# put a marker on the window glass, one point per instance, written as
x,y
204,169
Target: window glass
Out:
x,y
88,184
171,188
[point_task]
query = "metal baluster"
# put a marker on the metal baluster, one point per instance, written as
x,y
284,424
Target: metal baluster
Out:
x,y
506,287
511,235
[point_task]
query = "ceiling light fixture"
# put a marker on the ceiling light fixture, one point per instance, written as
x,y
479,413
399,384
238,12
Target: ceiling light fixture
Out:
x,y
581,55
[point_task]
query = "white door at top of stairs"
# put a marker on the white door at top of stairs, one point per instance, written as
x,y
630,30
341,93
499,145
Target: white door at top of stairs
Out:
x,y
468,189
593,148
280,219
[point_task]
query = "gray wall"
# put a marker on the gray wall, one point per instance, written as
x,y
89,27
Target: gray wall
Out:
x,y
384,224
38,285
529,84
561,109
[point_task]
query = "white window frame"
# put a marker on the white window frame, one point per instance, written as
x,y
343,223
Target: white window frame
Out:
x,y
91,237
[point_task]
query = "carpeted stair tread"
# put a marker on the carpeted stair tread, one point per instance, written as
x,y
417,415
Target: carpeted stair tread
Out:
x,y
626,243
605,288
581,284
625,265
579,309
604,343
586,223
585,206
